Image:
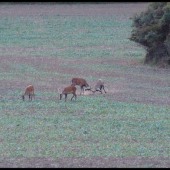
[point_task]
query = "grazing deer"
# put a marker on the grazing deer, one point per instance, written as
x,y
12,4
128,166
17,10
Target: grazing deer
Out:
x,y
80,82
99,86
68,90
29,91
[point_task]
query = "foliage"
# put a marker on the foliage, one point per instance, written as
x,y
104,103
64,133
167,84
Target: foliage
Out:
x,y
151,29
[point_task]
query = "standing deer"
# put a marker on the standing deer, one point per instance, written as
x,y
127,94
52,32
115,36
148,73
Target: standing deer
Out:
x,y
29,91
80,82
69,90
99,86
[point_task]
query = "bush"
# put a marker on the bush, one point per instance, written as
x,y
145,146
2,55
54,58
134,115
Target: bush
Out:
x,y
151,28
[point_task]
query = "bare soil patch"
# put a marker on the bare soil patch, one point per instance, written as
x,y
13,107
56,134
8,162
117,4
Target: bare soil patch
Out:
x,y
72,9
85,162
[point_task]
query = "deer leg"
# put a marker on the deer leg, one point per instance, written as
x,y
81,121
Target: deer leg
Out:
x,y
34,96
29,96
101,89
81,89
65,97
61,96
104,89
72,96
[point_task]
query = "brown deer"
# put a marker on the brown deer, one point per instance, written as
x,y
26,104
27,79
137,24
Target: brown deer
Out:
x,y
99,86
69,90
80,82
29,91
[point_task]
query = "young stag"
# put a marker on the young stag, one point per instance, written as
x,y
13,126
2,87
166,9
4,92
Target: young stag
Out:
x,y
29,91
80,82
99,86
69,90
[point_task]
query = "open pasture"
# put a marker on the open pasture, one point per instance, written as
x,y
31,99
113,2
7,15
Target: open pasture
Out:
x,y
46,45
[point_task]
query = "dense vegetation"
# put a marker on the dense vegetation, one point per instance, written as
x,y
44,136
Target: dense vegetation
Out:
x,y
151,29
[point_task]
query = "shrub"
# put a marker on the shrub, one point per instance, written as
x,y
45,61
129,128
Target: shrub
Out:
x,y
151,28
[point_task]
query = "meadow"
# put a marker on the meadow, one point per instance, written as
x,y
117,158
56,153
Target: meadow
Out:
x,y
46,50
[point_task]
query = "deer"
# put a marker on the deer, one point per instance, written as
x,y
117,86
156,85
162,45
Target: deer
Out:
x,y
80,82
69,90
29,91
99,86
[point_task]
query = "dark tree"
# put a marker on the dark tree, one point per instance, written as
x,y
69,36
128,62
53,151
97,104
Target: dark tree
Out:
x,y
151,28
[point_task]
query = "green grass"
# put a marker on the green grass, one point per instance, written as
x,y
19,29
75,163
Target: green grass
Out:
x,y
63,31
90,126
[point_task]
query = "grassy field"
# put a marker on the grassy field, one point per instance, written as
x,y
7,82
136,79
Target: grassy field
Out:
x,y
86,127
130,120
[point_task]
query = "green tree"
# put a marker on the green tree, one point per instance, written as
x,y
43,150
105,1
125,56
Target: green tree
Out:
x,y
151,28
